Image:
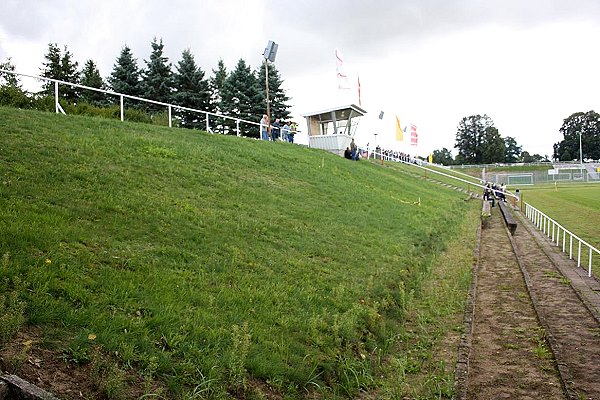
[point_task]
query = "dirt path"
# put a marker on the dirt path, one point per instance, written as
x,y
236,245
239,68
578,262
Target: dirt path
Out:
x,y
525,312
574,332
508,358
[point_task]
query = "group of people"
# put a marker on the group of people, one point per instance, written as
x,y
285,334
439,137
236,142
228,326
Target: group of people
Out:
x,y
283,132
491,189
351,153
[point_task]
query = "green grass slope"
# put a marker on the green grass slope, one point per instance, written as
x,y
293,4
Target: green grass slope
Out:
x,y
214,266
575,207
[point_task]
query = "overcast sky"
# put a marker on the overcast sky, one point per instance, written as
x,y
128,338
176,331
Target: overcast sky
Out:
x,y
528,64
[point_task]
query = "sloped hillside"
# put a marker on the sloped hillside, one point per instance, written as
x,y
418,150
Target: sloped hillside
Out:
x,y
180,264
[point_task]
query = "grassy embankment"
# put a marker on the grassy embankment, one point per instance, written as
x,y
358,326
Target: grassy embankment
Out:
x,y
574,206
202,266
447,176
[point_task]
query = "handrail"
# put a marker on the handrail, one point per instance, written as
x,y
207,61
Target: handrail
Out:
x,y
122,95
404,161
552,229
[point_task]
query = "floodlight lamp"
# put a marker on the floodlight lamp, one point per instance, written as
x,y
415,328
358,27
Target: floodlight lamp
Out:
x,y
271,51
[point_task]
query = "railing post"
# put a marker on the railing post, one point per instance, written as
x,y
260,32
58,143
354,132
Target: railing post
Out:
x,y
571,246
590,264
207,125
579,256
170,124
237,127
122,108
564,239
56,96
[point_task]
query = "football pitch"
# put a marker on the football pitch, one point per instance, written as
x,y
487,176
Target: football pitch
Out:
x,y
576,207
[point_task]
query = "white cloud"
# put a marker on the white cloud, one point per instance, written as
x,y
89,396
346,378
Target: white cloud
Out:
x,y
527,64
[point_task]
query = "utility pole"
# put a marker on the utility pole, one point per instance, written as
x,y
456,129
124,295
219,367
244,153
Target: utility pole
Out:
x,y
269,55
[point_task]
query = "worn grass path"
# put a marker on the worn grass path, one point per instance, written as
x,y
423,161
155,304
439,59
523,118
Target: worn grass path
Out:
x,y
533,336
506,333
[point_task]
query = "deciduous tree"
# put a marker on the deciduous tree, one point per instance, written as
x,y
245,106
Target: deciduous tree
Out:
x,y
478,141
588,125
443,156
512,150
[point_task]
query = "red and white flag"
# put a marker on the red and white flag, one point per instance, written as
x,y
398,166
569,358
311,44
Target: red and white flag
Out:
x,y
414,136
342,78
359,102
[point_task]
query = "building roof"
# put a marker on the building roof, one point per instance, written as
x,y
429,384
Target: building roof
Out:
x,y
341,113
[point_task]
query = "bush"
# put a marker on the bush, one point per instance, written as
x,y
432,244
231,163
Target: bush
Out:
x,y
14,96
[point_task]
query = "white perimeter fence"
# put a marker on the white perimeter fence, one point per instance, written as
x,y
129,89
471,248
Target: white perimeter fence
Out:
x,y
558,234
217,118
555,231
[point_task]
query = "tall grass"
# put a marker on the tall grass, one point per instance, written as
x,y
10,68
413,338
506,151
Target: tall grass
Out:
x,y
209,263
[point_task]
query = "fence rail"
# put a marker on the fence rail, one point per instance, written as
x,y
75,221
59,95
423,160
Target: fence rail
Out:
x,y
169,107
553,230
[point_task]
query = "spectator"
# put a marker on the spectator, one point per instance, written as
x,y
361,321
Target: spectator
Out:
x,y
276,130
293,130
264,128
348,153
353,149
285,132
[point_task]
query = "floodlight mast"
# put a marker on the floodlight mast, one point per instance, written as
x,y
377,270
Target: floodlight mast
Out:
x,y
269,55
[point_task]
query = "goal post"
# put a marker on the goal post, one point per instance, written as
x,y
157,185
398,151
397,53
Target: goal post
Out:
x,y
519,179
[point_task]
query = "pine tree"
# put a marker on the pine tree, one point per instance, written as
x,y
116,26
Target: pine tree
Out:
x,y
7,79
239,98
51,68
69,74
90,76
191,90
126,75
157,79
217,87
277,96
60,67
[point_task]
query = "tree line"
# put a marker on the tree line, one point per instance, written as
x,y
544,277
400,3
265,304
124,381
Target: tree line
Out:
x,y
478,141
239,93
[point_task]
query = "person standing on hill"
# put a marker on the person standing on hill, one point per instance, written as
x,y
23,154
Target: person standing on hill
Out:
x,y
264,128
285,132
293,129
276,129
353,149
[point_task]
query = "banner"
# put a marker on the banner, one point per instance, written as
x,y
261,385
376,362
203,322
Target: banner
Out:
x,y
399,131
414,137
359,102
342,78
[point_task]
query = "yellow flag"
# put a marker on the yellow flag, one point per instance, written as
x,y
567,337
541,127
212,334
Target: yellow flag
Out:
x,y
399,132
430,158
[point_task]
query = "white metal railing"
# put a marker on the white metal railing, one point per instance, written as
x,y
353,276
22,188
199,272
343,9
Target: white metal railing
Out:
x,y
415,162
121,96
553,230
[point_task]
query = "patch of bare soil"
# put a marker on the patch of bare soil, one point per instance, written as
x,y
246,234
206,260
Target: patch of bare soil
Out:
x,y
509,358
574,332
25,358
